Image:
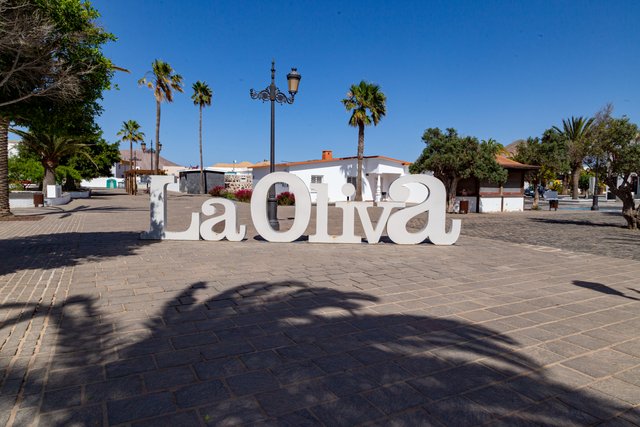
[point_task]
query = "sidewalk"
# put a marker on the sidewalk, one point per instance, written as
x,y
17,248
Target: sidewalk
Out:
x,y
100,328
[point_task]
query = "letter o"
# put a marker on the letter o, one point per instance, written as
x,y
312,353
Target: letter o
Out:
x,y
259,207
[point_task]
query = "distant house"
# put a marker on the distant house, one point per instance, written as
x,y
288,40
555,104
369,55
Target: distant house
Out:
x,y
484,196
378,174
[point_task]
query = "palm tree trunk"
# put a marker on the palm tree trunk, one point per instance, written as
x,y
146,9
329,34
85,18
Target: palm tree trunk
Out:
x,y
358,197
130,164
157,135
575,181
4,167
49,174
202,189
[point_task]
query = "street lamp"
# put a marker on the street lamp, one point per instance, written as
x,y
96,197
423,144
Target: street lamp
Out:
x,y
151,151
594,204
273,94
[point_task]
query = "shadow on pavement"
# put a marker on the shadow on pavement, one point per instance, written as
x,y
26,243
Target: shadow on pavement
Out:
x,y
599,287
46,251
589,223
288,354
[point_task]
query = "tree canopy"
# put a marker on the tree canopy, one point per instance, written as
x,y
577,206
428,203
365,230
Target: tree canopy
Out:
x,y
452,157
52,71
616,144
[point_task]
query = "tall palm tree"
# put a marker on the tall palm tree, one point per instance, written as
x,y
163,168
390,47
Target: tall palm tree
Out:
x,y
368,105
163,81
202,96
576,132
51,148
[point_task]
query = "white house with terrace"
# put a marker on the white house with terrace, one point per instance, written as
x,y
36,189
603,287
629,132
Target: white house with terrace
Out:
x,y
378,174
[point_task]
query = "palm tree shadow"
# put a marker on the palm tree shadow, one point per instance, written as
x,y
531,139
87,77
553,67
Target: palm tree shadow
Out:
x,y
47,251
599,287
288,353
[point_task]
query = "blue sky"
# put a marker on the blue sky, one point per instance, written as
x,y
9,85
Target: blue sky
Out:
x,y
491,69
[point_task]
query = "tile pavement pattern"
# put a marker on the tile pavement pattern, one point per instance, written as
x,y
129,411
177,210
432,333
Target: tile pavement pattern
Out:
x,y
100,328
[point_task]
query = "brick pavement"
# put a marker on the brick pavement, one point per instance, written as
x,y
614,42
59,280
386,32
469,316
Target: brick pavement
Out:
x,y
100,328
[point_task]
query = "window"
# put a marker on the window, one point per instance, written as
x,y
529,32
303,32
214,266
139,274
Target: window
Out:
x,y
316,179
351,180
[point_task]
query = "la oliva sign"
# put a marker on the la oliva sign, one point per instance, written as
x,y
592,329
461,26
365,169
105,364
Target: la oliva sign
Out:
x,y
395,214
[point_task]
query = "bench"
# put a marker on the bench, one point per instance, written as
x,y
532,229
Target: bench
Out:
x,y
552,197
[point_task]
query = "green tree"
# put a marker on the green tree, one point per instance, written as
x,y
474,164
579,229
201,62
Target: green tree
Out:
x,y
25,167
50,60
452,158
202,96
102,157
547,153
617,143
162,81
575,132
130,131
51,149
367,105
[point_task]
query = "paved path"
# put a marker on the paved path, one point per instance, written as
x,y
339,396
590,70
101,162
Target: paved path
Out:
x,y
100,328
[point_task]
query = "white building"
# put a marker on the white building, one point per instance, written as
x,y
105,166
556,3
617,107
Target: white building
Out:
x,y
378,174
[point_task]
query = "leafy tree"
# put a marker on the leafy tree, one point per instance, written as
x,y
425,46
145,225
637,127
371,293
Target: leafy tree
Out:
x,y
50,60
162,81
546,153
617,142
130,131
368,105
202,96
575,132
25,167
452,158
51,149
102,157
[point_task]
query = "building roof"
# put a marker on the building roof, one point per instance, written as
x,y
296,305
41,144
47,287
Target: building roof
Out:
x,y
512,164
241,165
143,160
333,159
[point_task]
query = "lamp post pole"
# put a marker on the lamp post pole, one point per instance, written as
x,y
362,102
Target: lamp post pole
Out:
x,y
594,204
273,94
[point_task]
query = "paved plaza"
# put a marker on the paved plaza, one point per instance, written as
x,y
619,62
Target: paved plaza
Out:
x,y
529,319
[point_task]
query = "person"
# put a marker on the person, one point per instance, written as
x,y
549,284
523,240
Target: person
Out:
x,y
541,190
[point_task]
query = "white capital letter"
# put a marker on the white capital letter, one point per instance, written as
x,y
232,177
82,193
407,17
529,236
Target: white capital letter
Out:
x,y
229,218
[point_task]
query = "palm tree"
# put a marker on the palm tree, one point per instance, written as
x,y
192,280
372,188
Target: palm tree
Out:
x,y
51,148
576,132
131,132
163,81
202,96
368,104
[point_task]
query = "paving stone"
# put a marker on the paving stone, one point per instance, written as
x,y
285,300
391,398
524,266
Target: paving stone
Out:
x,y
189,418
603,363
145,406
84,416
218,368
232,412
395,398
129,367
118,388
168,378
348,411
252,383
200,394
458,411
60,399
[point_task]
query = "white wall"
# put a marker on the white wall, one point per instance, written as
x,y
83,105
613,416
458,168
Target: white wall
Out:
x,y
490,204
335,173
513,204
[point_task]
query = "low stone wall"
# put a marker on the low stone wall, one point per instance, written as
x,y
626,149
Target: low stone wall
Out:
x,y
237,182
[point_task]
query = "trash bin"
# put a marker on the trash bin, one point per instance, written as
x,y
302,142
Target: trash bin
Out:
x,y
464,207
38,199
553,204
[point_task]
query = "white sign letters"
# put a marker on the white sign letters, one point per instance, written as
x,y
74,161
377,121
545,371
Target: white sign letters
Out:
x,y
395,214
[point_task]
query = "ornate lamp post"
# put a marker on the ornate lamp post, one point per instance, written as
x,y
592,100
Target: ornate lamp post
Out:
x,y
273,94
151,152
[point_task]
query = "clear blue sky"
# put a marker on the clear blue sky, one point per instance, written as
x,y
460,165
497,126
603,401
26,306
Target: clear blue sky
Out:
x,y
492,69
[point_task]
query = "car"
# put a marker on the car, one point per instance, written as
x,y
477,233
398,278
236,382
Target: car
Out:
x,y
529,192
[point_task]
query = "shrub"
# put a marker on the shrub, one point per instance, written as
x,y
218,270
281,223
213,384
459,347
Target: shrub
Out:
x,y
244,195
556,185
286,199
218,191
